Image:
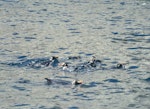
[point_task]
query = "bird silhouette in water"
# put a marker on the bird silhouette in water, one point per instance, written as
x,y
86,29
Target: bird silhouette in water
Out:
x,y
121,65
94,62
53,61
62,82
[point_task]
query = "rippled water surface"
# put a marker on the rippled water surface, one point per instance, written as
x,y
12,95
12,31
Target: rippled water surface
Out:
x,y
114,31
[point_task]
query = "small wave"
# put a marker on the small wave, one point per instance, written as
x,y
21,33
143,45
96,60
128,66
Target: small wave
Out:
x,y
111,80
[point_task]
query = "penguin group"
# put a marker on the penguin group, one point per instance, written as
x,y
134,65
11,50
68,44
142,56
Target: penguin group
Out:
x,y
91,65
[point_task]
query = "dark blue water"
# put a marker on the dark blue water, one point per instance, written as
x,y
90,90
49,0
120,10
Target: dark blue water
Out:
x,y
114,31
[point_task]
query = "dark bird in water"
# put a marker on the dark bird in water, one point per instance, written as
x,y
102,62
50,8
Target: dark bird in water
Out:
x,y
54,61
77,82
37,62
74,57
121,65
94,62
66,67
49,81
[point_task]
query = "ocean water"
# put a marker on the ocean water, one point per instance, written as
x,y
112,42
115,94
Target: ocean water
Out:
x,y
114,31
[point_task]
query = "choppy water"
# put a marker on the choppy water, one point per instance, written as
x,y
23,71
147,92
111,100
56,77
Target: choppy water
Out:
x,y
112,30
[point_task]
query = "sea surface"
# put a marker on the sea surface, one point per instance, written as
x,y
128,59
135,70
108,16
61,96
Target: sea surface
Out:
x,y
114,31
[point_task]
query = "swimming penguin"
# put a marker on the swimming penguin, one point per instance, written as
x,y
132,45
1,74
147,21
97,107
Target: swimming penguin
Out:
x,y
62,82
66,67
122,65
54,61
94,62
38,63
77,82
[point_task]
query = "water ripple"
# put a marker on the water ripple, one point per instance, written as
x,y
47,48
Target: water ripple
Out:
x,y
147,79
91,84
19,88
112,80
22,81
133,48
20,105
73,107
133,67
